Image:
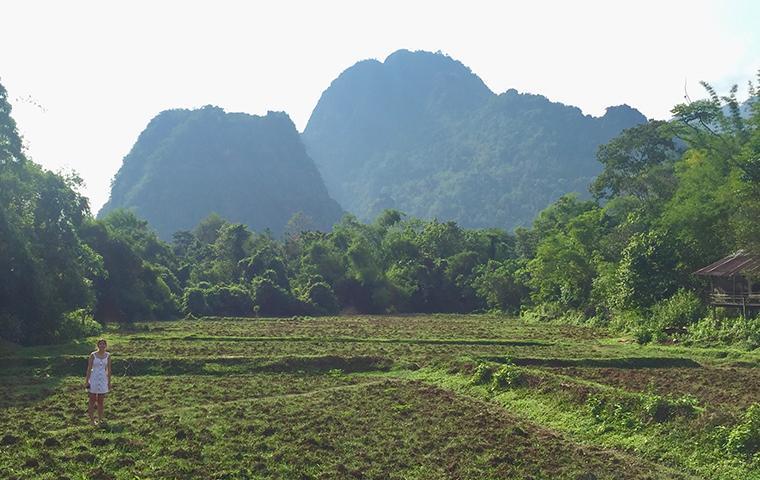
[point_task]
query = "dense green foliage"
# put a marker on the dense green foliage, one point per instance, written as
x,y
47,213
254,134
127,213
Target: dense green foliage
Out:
x,y
671,197
43,262
665,205
421,133
254,170
58,266
390,265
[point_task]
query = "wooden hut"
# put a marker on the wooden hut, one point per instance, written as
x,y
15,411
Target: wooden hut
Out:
x,y
734,282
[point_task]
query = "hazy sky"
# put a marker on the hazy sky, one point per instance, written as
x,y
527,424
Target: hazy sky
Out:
x,y
84,78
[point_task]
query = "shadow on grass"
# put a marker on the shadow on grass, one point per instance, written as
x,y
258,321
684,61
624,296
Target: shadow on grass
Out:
x,y
625,362
21,391
71,365
412,341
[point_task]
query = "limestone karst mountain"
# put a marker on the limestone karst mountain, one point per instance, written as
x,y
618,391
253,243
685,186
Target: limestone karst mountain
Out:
x,y
421,133
249,169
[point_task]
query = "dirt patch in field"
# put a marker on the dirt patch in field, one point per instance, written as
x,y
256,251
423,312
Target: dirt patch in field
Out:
x,y
731,388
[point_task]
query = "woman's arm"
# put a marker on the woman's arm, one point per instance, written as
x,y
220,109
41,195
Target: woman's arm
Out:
x,y
108,372
89,370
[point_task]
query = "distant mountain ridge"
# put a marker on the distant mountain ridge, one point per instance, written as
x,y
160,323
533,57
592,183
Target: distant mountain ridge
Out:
x,y
250,169
421,133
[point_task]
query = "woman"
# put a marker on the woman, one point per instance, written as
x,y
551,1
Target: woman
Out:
x,y
98,380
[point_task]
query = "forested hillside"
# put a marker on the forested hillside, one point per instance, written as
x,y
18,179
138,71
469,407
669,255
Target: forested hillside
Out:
x,y
421,133
188,164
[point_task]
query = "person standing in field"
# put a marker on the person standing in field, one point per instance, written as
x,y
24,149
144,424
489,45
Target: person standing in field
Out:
x,y
98,380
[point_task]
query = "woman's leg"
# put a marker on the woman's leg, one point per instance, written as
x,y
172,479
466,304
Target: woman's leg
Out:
x,y
101,399
91,408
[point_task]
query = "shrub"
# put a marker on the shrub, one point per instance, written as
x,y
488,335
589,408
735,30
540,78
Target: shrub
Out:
x,y
500,285
744,438
612,413
194,302
543,312
643,329
229,300
656,408
508,376
321,296
11,327
648,270
77,324
220,300
643,335
483,374
679,311
727,331
272,299
661,409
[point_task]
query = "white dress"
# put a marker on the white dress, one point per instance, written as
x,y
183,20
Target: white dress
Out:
x,y
98,377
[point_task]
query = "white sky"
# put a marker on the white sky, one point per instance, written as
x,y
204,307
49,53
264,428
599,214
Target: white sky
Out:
x,y
85,77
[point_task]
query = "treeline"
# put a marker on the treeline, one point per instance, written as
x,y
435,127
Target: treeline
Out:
x,y
59,267
672,197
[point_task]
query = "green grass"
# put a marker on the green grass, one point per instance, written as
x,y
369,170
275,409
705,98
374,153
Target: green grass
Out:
x,y
375,397
562,404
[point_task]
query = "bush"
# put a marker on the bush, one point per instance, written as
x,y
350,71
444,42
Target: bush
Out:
x,y
648,270
229,300
77,324
679,311
505,377
727,331
642,327
483,374
744,438
273,300
321,296
661,409
194,302
612,413
543,312
220,300
671,315
508,376
500,285
11,327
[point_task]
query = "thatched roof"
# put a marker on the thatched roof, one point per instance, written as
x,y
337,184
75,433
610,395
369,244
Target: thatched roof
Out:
x,y
739,262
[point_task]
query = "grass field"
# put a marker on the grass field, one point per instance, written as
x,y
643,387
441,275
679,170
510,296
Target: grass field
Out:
x,y
416,397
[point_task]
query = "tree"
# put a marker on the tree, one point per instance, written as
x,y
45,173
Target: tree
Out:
x,y
299,223
265,258
748,205
271,299
322,298
501,284
44,265
10,141
130,287
561,272
648,271
638,162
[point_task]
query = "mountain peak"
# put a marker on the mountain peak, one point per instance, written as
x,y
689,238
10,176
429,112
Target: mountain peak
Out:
x,y
247,168
422,133
623,116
